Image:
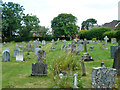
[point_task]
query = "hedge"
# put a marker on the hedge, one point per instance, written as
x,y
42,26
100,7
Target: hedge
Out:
x,y
94,33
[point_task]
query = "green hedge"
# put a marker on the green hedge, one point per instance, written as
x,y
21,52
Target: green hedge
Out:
x,y
117,35
94,33
110,34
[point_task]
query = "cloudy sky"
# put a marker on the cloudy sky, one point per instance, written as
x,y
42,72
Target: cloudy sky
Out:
x,y
101,10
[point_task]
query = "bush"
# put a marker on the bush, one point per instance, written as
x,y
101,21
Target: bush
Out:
x,y
110,34
94,33
117,35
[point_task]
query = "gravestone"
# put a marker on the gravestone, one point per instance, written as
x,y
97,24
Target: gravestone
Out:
x,y
79,48
5,56
36,50
73,48
40,68
69,44
6,49
112,50
116,63
64,47
119,43
15,52
53,47
113,40
86,55
19,56
106,38
103,77
91,48
90,41
43,42
29,46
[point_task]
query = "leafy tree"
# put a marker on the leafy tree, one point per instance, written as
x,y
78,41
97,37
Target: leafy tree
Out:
x,y
29,23
64,24
89,22
11,18
43,31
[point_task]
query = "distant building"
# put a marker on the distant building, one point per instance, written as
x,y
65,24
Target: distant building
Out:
x,y
35,33
112,24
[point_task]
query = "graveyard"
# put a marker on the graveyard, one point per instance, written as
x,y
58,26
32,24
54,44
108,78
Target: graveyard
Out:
x,y
16,74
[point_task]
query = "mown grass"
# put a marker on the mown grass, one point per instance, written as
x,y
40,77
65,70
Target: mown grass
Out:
x,y
17,74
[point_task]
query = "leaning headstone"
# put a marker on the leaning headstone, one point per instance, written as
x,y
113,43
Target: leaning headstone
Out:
x,y
15,52
116,63
5,56
91,48
112,50
19,56
113,40
103,77
106,38
69,44
36,50
40,68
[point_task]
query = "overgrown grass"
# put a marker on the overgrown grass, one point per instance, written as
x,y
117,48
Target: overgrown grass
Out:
x,y
17,74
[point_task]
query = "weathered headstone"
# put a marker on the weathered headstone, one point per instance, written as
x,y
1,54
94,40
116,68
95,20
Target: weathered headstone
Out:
x,y
79,48
119,43
5,56
103,77
69,45
106,38
40,68
86,55
15,52
53,47
43,42
29,46
63,47
19,56
113,40
73,48
112,50
36,50
116,63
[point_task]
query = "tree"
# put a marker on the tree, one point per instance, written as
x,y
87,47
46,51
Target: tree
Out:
x,y
29,23
43,31
11,18
64,24
88,23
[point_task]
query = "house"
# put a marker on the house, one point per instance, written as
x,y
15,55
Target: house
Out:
x,y
112,24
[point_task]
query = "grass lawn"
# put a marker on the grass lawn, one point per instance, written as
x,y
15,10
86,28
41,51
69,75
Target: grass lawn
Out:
x,y
17,74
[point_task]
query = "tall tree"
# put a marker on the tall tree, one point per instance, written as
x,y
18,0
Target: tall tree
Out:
x,y
11,16
88,23
64,24
29,23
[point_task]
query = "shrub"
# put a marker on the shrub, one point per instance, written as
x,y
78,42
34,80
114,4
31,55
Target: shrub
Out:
x,y
94,33
110,34
117,35
94,39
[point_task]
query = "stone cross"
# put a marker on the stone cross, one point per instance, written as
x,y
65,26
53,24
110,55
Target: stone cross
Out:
x,y
85,43
75,81
106,38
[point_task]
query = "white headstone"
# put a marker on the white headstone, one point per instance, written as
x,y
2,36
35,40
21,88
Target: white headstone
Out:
x,y
19,56
36,50
43,42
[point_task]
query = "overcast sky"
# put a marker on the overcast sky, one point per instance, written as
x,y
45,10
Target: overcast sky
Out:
x,y
101,10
